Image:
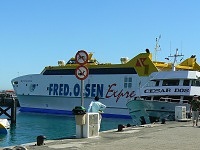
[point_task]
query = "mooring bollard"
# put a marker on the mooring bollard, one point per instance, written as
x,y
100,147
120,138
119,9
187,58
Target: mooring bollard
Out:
x,y
120,127
40,140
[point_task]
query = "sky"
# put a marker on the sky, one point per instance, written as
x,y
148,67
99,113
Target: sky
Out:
x,y
38,33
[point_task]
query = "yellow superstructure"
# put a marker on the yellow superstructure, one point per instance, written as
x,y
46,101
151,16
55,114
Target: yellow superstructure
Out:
x,y
142,64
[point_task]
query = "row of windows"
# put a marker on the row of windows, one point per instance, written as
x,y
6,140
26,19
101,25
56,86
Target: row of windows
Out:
x,y
91,71
128,81
185,99
176,83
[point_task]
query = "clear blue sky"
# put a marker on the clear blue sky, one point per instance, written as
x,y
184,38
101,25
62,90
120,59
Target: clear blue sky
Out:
x,y
38,33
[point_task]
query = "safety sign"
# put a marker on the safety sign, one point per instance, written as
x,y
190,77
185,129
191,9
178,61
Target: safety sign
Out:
x,y
81,72
81,57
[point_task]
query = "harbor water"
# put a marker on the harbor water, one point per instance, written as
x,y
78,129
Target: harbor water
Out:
x,y
31,125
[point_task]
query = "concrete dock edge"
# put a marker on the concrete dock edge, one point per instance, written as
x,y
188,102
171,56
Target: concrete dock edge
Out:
x,y
168,136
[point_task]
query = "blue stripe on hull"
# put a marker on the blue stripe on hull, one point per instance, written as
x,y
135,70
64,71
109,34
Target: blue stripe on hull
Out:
x,y
65,112
49,111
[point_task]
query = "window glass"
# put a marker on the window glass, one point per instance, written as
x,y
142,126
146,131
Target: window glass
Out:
x,y
128,82
170,82
186,82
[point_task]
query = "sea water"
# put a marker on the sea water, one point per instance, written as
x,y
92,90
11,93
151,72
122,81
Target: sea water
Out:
x,y
30,125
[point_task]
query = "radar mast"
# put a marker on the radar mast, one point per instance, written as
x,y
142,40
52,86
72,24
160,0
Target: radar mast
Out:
x,y
157,47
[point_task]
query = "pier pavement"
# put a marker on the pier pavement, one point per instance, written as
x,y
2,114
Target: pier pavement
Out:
x,y
168,136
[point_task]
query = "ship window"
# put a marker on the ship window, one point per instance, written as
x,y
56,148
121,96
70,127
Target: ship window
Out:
x,y
195,83
156,98
129,85
170,82
71,62
125,79
16,82
148,98
187,99
175,97
186,82
128,82
157,83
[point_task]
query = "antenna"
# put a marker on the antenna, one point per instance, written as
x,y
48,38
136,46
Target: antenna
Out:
x,y
170,47
181,47
157,48
175,56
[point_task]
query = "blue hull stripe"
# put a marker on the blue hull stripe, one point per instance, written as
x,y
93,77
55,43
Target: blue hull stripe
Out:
x,y
65,112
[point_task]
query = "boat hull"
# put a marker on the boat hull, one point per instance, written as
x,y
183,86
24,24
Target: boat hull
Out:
x,y
64,105
144,111
58,90
60,94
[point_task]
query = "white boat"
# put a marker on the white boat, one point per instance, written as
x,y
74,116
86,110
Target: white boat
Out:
x,y
4,125
57,90
158,99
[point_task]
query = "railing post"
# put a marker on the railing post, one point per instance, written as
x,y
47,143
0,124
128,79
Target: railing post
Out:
x,y
13,111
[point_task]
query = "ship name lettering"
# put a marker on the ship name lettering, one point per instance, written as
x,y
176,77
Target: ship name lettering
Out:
x,y
118,94
64,90
157,90
94,90
181,90
58,89
77,89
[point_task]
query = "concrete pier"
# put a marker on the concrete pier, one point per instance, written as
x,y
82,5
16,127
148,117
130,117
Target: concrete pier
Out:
x,y
172,135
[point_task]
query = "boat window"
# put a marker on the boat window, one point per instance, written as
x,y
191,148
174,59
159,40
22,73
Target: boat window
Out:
x,y
129,85
186,82
170,82
175,97
187,99
71,62
16,82
156,98
126,79
93,71
195,82
128,82
147,98
157,83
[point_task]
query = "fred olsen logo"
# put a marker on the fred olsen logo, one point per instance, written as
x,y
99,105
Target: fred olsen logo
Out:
x,y
91,90
32,87
65,90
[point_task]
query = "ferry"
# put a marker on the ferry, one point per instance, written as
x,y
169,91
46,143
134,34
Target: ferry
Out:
x,y
57,90
166,90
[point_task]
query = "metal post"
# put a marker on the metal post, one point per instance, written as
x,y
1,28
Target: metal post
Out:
x,y
13,111
82,93
82,102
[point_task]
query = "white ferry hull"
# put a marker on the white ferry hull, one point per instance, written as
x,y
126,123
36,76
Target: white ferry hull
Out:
x,y
64,105
143,111
61,93
58,89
